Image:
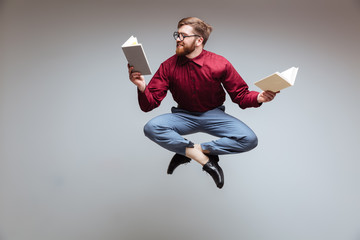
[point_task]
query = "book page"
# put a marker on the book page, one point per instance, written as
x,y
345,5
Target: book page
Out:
x,y
290,74
131,41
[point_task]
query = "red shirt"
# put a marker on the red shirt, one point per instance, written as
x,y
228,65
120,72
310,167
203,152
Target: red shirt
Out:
x,y
197,84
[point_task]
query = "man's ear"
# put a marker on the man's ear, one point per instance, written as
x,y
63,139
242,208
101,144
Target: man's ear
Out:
x,y
199,41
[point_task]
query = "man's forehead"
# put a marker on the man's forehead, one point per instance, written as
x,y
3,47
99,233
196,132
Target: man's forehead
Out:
x,y
187,29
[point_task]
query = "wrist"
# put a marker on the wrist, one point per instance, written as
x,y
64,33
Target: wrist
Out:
x,y
142,88
258,98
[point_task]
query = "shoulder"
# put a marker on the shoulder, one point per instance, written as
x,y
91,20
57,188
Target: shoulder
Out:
x,y
216,62
171,60
213,56
166,66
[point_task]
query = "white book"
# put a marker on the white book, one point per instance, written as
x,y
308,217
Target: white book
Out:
x,y
135,56
278,81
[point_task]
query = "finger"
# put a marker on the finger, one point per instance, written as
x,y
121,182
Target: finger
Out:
x,y
133,75
270,95
267,96
130,70
136,75
271,92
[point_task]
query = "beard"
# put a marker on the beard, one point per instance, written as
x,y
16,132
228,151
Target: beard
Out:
x,y
184,49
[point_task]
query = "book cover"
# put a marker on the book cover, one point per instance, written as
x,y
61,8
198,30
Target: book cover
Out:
x,y
278,81
135,55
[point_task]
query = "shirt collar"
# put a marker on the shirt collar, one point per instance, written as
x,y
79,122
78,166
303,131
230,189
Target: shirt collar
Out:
x,y
199,60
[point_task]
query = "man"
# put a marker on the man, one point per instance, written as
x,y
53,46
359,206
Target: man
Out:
x,y
197,79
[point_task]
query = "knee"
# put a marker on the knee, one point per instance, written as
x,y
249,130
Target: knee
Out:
x,y
251,142
149,129
152,128
247,143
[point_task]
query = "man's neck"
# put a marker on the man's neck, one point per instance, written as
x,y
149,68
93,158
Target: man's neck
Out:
x,y
195,53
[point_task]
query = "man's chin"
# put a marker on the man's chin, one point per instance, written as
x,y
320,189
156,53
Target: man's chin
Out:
x,y
180,52
183,51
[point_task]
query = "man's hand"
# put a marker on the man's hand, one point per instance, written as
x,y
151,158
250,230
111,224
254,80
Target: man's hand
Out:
x,y
137,79
266,96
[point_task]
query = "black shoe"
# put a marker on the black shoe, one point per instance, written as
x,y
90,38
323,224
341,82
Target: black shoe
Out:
x,y
213,158
212,167
177,160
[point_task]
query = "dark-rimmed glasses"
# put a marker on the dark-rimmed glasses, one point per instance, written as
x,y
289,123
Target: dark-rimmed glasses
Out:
x,y
182,36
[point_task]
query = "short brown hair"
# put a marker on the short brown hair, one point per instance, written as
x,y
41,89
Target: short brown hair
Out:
x,y
200,27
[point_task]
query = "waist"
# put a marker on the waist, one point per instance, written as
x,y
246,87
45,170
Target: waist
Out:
x,y
196,113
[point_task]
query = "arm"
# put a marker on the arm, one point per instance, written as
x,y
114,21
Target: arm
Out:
x,y
151,95
238,89
239,93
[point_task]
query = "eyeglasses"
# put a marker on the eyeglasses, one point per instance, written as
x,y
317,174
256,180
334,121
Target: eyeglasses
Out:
x,y
181,36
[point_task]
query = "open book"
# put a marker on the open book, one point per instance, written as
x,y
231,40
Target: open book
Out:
x,y
135,56
278,81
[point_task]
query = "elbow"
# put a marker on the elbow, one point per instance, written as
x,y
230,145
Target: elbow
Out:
x,y
243,106
145,109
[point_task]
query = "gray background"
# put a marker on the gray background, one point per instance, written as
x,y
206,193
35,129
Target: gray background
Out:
x,y
75,163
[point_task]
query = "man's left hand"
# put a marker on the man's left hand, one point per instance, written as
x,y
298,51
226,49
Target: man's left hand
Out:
x,y
266,96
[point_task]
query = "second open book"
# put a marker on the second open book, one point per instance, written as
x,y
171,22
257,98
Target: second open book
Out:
x,y
278,81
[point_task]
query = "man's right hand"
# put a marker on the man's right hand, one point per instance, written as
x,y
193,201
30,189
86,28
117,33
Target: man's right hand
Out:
x,y
137,79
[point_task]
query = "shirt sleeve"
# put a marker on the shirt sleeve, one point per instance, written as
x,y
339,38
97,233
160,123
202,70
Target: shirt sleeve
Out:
x,y
238,90
155,91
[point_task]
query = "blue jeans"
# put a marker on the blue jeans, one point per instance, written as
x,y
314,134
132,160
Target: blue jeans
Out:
x,y
234,136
